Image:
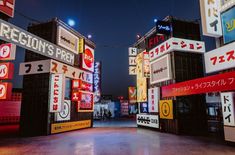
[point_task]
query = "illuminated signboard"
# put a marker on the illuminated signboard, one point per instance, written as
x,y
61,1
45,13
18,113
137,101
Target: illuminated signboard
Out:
x,y
146,65
160,69
228,25
148,120
166,109
67,40
81,85
163,27
154,40
5,91
227,100
65,114
210,17
153,99
56,92
220,59
132,92
144,107
85,102
24,39
215,83
97,82
177,44
6,71
7,7
7,51
52,66
132,60
88,59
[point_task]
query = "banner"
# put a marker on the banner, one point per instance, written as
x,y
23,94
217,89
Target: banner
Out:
x,y
153,99
65,114
210,17
11,33
63,127
7,51
215,83
160,69
148,120
56,92
177,44
220,59
166,109
227,100
6,71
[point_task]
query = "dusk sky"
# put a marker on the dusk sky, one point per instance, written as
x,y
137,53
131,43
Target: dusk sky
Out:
x,y
113,25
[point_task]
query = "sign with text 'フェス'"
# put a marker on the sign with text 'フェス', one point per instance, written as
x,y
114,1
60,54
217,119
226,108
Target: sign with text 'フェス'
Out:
x,y
215,83
7,51
11,33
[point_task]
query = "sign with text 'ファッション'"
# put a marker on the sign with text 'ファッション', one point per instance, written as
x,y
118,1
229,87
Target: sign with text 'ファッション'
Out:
x,y
11,33
5,91
56,92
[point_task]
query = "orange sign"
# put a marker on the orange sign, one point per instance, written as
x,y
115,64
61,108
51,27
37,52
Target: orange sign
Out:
x,y
166,109
5,91
6,71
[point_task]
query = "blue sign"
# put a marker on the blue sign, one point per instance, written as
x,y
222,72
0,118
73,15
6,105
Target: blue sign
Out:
x,y
163,27
228,25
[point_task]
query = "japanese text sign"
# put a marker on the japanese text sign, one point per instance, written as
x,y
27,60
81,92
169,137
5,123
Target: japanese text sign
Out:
x,y
153,99
7,51
227,100
7,7
166,109
6,71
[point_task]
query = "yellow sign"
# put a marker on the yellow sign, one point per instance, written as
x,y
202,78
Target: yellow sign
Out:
x,y
81,45
68,126
166,109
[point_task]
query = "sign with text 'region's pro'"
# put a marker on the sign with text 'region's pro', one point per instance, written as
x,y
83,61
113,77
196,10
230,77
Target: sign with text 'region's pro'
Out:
x,y
88,59
7,51
5,91
220,59
148,120
65,114
177,44
227,100
228,25
67,40
215,83
11,33
7,7
6,71
56,92
160,69
153,99
210,15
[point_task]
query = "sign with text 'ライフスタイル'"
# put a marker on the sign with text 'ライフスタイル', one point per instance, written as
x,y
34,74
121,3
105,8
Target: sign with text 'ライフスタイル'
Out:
x,y
177,44
220,59
52,66
56,92
227,100
210,17
148,120
7,51
11,33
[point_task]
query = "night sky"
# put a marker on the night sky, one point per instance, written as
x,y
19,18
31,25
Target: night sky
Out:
x,y
113,25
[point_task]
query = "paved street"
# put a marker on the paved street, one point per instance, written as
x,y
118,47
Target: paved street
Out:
x,y
116,141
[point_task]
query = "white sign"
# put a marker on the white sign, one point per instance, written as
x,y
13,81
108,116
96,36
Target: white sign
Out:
x,y
132,70
132,61
153,99
56,92
67,40
88,59
65,114
7,51
210,17
226,4
177,44
148,120
24,39
52,66
220,59
132,51
160,70
227,100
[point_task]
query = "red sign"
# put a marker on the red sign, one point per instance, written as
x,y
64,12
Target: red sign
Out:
x,y
7,51
6,71
86,103
5,91
81,85
75,96
7,7
132,93
88,59
215,83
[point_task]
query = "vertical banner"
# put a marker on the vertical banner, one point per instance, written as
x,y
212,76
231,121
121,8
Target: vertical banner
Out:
x,y
210,16
5,91
146,65
153,99
97,82
143,107
7,51
227,100
56,92
132,60
81,45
